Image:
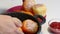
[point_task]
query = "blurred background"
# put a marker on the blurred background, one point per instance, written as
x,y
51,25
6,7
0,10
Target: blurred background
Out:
x,y
53,8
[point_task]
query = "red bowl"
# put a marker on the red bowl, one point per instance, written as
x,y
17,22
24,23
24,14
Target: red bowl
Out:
x,y
54,25
15,9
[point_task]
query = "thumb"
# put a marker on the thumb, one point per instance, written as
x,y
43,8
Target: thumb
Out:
x,y
17,22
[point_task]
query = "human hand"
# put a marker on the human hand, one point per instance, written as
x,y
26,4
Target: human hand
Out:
x,y
8,25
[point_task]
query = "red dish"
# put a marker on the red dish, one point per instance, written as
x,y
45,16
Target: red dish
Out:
x,y
54,26
15,9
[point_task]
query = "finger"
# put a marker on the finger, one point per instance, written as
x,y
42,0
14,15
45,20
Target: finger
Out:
x,y
19,31
5,16
17,22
